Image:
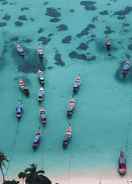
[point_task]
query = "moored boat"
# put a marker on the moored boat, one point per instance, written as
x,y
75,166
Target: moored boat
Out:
x,y
40,52
108,45
41,77
20,50
125,68
122,166
41,94
19,111
76,85
71,108
67,137
24,88
42,116
37,140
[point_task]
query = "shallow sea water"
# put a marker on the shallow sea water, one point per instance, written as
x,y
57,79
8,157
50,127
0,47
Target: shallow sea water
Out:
x,y
102,123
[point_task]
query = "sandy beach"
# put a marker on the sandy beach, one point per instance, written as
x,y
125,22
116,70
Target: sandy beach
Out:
x,y
92,177
98,178
87,179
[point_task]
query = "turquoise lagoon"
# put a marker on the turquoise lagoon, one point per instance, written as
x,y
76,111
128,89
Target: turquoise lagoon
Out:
x,y
102,123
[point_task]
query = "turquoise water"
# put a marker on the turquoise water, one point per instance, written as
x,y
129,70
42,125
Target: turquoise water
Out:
x,y
102,121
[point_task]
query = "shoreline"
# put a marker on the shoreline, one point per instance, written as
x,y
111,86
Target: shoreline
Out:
x,y
91,180
82,177
97,177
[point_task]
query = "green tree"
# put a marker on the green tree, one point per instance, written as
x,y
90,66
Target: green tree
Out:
x,y
33,176
11,182
3,159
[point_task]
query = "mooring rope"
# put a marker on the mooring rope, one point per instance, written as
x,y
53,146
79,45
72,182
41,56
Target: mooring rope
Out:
x,y
69,167
128,130
13,149
14,143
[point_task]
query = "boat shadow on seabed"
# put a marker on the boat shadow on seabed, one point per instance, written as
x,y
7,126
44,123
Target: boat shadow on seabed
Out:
x,y
30,63
123,76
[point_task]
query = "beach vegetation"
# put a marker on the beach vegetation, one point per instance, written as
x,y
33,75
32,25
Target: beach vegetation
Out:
x,y
32,176
11,182
3,160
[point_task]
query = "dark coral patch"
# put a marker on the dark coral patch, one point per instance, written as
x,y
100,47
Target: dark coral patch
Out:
x,y
50,67
3,24
127,56
14,38
84,57
86,30
41,30
22,18
67,39
4,2
105,12
108,30
121,17
121,14
50,34
93,36
32,19
24,8
58,59
62,27
27,40
46,3
54,20
72,10
83,46
12,3
89,5
130,47
126,30
44,40
125,24
52,12
76,55
108,4
124,12
18,23
6,17
95,18
91,58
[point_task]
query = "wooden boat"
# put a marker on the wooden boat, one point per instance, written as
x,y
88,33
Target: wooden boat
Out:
x,y
76,85
122,166
20,50
19,111
24,88
37,140
125,68
67,137
42,116
108,44
41,77
40,53
41,94
71,108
